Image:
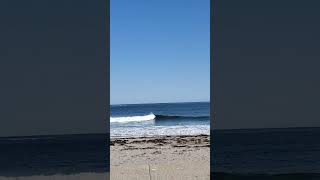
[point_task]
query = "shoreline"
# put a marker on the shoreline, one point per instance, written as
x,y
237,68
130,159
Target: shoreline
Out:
x,y
160,157
159,136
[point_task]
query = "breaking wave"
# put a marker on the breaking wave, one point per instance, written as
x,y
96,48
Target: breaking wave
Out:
x,y
152,116
127,119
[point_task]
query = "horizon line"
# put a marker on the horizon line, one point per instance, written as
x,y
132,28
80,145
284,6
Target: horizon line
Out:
x,y
161,102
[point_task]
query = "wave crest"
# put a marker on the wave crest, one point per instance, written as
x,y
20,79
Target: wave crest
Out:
x,y
150,117
127,119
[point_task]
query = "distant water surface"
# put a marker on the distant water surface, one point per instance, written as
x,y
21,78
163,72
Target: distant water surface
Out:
x,y
138,120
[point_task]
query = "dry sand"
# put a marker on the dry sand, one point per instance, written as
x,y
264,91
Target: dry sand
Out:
x,y
161,158
150,158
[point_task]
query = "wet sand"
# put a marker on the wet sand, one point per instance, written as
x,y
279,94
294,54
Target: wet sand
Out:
x,y
163,157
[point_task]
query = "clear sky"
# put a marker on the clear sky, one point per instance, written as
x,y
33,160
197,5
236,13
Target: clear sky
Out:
x,y
159,51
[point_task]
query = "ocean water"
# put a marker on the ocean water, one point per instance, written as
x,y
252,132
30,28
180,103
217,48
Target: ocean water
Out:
x,y
137,120
291,153
49,155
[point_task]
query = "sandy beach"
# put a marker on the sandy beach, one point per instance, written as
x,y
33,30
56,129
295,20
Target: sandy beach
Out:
x,y
161,158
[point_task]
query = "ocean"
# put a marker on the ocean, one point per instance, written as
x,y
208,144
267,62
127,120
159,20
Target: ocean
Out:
x,y
288,153
53,154
142,120
284,153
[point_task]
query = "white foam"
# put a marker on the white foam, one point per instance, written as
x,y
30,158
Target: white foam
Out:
x,y
160,130
127,119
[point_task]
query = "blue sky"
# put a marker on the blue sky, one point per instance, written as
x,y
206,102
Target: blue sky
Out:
x,y
160,51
